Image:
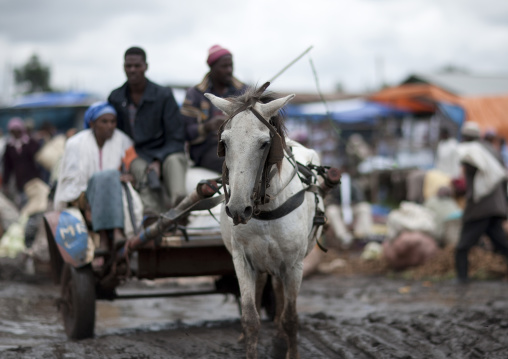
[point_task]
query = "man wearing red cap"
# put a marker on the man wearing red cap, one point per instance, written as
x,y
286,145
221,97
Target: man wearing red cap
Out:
x,y
202,118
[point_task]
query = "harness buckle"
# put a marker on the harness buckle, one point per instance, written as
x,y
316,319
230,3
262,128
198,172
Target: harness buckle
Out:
x,y
319,218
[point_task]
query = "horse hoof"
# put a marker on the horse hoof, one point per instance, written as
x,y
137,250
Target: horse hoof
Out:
x,y
279,347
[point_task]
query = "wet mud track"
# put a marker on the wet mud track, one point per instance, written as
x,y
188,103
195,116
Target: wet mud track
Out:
x,y
360,317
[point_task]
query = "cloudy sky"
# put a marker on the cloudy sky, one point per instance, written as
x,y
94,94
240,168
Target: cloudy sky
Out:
x,y
357,43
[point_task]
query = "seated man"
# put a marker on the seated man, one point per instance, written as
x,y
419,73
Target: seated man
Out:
x,y
202,118
90,178
148,114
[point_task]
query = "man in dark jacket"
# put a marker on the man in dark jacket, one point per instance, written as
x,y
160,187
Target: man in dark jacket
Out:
x,y
148,113
202,118
483,213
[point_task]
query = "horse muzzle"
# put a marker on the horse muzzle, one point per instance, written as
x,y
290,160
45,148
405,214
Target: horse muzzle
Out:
x,y
239,215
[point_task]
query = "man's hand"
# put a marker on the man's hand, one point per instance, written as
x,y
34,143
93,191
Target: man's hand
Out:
x,y
213,124
126,177
155,166
82,202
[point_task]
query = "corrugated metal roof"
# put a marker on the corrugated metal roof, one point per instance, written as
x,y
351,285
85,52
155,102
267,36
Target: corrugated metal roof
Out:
x,y
464,84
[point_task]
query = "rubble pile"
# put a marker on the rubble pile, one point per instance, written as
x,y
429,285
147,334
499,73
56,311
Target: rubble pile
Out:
x,y
483,264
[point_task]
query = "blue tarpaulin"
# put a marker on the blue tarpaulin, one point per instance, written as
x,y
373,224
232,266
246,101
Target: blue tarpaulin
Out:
x,y
51,99
454,112
346,111
62,109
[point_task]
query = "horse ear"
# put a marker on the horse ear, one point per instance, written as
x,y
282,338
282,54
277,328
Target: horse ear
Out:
x,y
270,109
222,104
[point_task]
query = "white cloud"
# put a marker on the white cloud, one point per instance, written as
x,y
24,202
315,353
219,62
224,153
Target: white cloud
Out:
x,y
83,42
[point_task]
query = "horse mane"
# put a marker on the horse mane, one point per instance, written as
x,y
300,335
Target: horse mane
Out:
x,y
277,121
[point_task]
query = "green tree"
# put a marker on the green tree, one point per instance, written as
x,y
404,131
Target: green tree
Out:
x,y
34,75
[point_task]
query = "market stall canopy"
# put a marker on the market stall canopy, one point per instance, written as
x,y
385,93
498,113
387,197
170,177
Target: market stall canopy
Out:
x,y
490,112
417,98
456,113
63,110
345,111
53,99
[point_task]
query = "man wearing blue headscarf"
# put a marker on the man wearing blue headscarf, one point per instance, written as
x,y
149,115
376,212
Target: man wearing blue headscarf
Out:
x,y
90,170
96,110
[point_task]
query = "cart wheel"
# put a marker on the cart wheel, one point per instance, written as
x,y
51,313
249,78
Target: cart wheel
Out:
x,y
78,301
55,258
268,301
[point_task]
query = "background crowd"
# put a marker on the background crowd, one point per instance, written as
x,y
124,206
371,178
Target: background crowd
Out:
x,y
130,161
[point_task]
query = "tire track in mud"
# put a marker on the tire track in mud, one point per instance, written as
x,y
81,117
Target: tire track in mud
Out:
x,y
458,333
339,318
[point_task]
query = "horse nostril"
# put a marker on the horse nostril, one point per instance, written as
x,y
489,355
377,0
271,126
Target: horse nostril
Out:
x,y
248,212
228,212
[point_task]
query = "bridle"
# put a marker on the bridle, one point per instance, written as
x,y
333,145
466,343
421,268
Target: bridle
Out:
x,y
272,154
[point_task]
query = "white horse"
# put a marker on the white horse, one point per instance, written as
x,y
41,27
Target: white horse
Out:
x,y
254,158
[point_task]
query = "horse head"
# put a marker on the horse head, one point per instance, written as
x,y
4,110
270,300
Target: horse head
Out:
x,y
249,143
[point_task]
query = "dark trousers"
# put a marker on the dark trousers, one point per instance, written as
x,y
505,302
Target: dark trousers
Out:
x,y
211,161
470,235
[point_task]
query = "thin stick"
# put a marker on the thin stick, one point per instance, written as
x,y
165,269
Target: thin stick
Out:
x,y
290,64
316,79
328,114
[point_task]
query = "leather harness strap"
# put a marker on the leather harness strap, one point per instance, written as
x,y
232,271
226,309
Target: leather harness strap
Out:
x,y
287,207
265,122
250,104
259,191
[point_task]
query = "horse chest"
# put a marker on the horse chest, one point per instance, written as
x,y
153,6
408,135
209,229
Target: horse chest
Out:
x,y
266,254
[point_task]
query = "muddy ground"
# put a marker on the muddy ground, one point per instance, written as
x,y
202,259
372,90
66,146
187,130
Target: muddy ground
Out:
x,y
341,316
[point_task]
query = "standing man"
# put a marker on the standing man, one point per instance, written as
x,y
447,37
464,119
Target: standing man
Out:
x,y
447,159
202,118
486,207
19,160
148,113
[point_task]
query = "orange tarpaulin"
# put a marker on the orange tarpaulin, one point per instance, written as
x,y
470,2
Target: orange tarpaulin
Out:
x,y
414,97
489,112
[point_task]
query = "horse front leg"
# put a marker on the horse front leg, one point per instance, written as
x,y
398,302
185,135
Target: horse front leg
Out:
x,y
260,285
289,317
279,299
280,340
250,317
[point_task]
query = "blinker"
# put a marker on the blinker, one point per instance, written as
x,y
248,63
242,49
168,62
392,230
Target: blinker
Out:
x,y
221,149
276,153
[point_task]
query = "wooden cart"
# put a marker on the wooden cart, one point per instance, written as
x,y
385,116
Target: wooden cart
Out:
x,y
185,252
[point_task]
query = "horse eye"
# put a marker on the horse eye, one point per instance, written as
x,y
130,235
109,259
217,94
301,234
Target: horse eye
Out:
x,y
224,144
263,146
